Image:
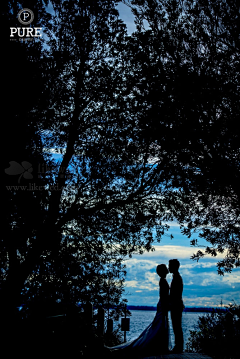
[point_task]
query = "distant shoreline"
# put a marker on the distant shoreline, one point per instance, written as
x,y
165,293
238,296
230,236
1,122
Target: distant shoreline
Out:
x,y
186,309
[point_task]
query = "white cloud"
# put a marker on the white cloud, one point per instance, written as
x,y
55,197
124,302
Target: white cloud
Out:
x,y
141,285
173,224
207,279
152,278
131,283
199,265
230,278
166,252
146,280
202,285
202,279
206,282
212,300
141,271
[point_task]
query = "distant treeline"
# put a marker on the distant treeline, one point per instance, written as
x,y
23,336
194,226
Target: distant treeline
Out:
x,y
186,309
152,308
204,309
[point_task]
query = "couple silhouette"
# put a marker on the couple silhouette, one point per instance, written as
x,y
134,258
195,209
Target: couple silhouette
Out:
x,y
155,339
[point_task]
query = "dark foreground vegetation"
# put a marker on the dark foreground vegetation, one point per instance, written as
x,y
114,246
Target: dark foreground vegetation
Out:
x,y
217,334
67,340
67,335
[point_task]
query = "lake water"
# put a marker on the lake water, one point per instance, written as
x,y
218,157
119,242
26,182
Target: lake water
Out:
x,y
140,319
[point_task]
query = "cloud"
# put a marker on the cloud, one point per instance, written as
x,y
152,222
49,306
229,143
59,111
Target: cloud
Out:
x,y
212,300
172,251
167,252
141,270
173,224
206,282
202,285
230,278
152,279
199,265
131,283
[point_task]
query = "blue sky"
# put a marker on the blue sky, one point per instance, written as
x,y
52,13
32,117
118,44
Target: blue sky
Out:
x,y
127,16
202,284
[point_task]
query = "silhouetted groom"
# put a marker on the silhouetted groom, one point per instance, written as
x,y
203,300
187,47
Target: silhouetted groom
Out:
x,y
176,305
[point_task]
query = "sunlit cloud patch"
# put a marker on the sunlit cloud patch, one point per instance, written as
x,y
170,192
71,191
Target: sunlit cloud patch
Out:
x,y
202,284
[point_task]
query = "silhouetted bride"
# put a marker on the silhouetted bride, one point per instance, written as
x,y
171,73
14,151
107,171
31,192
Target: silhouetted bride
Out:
x,y
154,339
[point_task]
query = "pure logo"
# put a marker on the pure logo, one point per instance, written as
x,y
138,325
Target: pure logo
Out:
x,y
25,17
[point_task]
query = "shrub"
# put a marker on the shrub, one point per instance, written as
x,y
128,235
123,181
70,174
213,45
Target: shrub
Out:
x,y
217,334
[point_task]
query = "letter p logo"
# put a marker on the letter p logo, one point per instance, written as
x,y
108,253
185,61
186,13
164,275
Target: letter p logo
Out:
x,y
25,16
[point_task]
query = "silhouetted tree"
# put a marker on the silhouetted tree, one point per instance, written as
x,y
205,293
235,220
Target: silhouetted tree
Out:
x,y
83,271
101,187
24,211
185,62
142,128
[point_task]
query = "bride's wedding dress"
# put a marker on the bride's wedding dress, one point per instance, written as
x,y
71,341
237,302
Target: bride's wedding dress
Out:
x,y
154,339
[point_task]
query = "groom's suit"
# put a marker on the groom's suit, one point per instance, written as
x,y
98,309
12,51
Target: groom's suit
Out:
x,y
176,308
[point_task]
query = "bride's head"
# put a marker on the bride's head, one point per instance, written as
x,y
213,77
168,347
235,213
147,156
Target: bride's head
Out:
x,y
162,270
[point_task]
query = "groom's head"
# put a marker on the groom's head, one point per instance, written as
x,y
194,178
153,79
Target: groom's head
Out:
x,y
173,266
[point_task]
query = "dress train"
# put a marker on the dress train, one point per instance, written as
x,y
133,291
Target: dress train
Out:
x,y
154,340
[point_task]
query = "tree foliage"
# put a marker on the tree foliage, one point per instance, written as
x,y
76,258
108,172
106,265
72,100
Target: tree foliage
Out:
x,y
143,131
186,59
94,201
